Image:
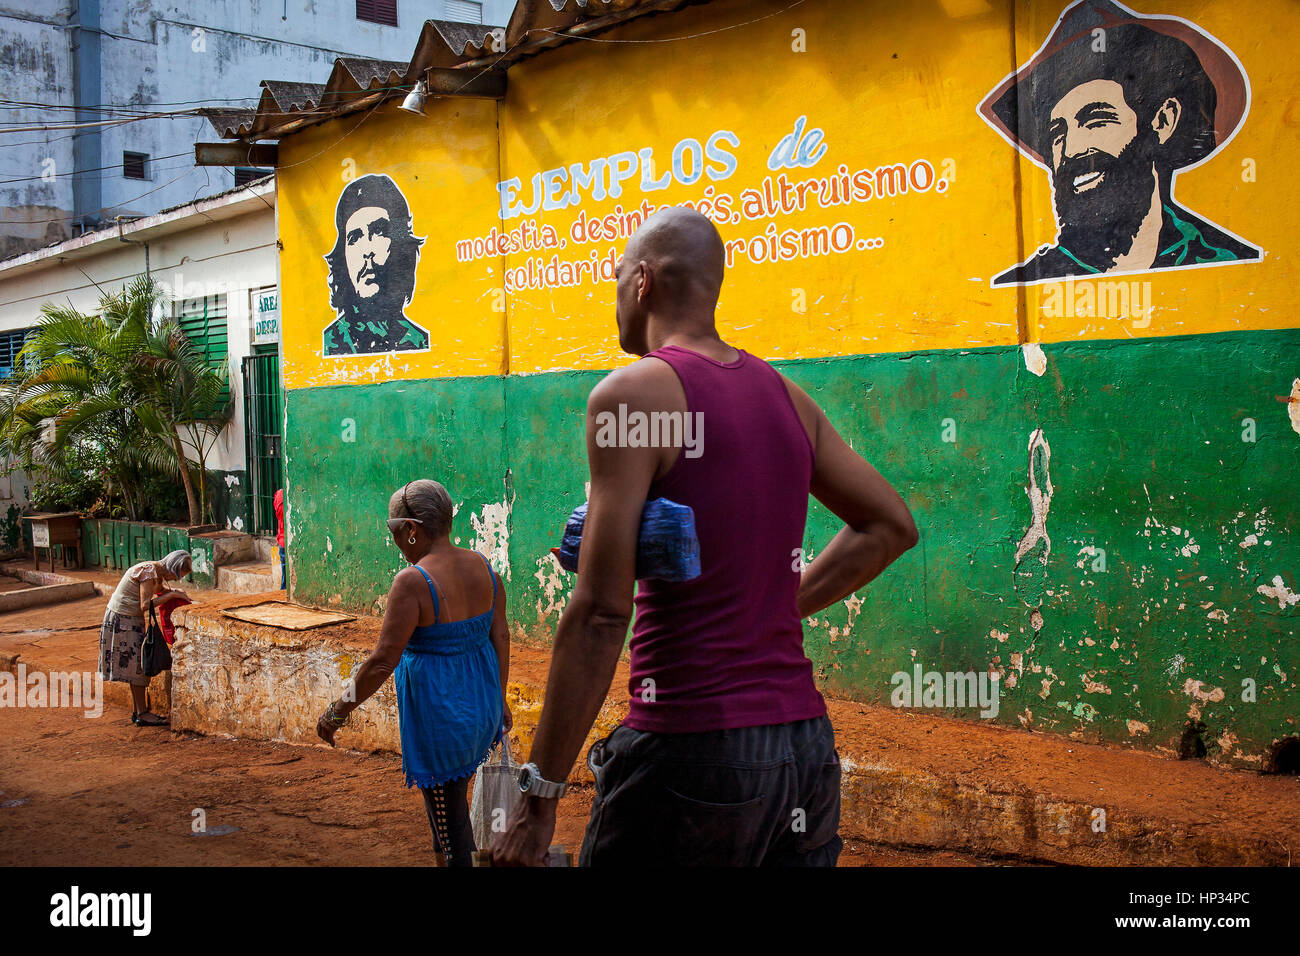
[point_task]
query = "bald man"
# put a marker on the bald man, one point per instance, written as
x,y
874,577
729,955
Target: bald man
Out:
x,y
726,757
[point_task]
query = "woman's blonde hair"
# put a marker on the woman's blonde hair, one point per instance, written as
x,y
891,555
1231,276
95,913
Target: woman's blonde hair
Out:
x,y
426,500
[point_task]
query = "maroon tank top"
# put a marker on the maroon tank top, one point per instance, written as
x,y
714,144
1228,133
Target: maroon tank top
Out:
x,y
726,649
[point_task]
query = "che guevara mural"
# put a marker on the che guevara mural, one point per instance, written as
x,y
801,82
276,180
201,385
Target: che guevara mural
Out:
x,y
1113,105
372,271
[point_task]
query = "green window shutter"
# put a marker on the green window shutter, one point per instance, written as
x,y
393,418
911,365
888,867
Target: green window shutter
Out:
x,y
11,342
203,320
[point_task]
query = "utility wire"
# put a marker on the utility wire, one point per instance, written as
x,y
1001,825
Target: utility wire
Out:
x,y
82,172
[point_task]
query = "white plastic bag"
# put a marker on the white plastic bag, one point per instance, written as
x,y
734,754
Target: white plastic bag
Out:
x,y
496,793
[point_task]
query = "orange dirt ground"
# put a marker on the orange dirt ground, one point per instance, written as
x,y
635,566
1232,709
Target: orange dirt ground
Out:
x,y
102,792
139,785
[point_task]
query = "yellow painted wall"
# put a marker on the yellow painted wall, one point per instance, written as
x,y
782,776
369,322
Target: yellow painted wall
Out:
x,y
885,84
446,166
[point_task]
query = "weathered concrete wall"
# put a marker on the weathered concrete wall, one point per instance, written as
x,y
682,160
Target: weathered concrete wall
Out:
x,y
1102,482
35,180
120,544
160,56
264,683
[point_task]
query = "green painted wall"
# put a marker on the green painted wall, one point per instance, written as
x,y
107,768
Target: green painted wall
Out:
x,y
120,544
350,447
228,494
1147,463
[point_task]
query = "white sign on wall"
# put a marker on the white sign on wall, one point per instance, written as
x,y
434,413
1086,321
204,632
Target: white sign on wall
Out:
x,y
266,315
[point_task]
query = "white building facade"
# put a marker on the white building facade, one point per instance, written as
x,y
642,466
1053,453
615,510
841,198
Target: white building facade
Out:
x,y
216,260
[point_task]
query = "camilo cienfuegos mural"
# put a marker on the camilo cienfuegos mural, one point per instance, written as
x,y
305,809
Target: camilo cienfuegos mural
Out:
x,y
1113,105
372,271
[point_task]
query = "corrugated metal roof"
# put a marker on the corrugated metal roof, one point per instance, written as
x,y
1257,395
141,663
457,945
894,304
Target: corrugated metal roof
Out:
x,y
352,76
535,25
229,123
444,43
290,96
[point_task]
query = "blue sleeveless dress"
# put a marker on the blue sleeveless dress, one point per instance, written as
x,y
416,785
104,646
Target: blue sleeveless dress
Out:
x,y
449,705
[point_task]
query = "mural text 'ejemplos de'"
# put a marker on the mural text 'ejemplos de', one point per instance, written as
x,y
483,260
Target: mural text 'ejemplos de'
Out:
x,y
551,263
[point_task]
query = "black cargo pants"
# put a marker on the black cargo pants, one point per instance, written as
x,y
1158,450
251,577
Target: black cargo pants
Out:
x,y
753,796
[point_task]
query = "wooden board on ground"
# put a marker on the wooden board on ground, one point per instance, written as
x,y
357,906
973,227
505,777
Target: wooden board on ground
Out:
x,y
291,617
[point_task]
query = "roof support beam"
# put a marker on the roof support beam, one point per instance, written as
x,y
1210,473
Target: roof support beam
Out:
x,y
236,154
489,83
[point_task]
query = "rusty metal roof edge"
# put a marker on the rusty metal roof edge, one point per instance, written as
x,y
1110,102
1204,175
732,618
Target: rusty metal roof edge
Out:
x,y
543,25
353,76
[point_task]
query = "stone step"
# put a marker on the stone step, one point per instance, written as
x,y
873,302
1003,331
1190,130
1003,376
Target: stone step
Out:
x,y
264,547
250,577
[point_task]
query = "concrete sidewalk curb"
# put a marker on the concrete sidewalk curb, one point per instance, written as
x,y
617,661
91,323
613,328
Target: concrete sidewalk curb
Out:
x,y
45,594
42,578
904,807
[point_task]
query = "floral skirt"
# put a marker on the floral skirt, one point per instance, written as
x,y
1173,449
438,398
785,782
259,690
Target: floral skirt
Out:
x,y
120,640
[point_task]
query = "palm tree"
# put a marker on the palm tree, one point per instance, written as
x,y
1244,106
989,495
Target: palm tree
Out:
x,y
123,381
75,389
186,405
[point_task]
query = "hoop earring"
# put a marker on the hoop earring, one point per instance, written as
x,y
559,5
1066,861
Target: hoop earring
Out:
x,y
411,539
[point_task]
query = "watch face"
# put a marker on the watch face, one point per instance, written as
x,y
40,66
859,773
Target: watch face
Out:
x,y
525,780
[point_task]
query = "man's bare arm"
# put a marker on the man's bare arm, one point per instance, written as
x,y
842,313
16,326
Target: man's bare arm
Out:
x,y
878,526
593,627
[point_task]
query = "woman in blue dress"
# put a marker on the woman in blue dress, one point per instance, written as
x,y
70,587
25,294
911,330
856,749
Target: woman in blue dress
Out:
x,y
444,638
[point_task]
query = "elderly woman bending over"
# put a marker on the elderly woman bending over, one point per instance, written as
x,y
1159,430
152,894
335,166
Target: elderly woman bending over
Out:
x,y
121,636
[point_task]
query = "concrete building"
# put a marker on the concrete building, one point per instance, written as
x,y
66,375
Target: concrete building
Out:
x,y
101,94
216,261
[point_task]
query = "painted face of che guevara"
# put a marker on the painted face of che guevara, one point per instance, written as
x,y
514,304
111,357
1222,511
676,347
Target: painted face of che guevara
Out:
x,y
1103,170
367,245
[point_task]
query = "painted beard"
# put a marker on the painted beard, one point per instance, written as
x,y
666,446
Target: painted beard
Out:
x,y
1099,224
382,303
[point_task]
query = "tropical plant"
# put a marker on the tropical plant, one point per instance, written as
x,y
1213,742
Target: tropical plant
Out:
x,y
186,404
125,383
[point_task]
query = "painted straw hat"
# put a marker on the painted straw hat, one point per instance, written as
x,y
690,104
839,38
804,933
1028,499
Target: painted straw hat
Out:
x,y
1152,57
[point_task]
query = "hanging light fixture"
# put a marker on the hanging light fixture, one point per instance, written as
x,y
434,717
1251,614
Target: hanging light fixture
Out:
x,y
414,102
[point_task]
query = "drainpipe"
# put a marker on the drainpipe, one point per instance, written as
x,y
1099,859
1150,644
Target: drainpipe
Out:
x,y
136,242
87,95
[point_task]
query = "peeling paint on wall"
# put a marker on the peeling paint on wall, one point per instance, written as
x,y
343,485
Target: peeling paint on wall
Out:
x,y
555,582
1035,360
1279,592
1040,497
492,535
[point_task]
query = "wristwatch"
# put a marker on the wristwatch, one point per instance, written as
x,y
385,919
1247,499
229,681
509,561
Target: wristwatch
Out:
x,y
534,784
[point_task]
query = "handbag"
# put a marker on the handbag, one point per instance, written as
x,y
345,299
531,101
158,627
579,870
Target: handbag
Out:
x,y
155,657
496,794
